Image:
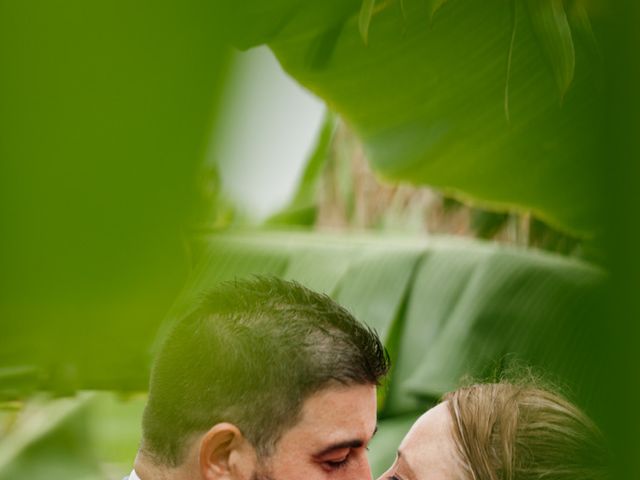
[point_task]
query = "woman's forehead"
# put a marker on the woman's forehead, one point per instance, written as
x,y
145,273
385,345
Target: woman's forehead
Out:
x,y
429,449
435,421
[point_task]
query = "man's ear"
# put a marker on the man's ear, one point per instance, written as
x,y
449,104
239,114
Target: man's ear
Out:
x,y
225,454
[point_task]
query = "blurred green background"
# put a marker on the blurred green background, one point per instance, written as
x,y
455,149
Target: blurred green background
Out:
x,y
462,178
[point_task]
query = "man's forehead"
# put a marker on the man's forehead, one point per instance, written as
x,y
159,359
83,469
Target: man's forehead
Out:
x,y
340,410
339,397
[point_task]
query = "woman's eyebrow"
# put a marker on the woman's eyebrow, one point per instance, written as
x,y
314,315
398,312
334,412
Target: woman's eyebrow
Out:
x,y
406,466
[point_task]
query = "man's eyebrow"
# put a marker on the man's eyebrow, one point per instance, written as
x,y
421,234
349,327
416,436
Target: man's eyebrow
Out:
x,y
354,443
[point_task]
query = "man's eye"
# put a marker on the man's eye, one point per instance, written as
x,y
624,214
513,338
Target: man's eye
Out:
x,y
337,464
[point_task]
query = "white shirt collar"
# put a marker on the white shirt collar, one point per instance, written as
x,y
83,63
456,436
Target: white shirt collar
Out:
x,y
133,475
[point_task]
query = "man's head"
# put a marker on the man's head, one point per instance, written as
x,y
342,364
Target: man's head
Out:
x,y
257,368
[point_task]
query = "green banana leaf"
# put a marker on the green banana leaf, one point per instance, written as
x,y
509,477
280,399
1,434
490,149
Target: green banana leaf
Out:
x,y
476,310
445,308
496,101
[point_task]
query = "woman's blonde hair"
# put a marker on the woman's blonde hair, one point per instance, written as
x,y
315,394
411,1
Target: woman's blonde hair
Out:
x,y
506,431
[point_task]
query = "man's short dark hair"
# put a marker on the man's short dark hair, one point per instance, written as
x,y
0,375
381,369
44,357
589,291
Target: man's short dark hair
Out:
x,y
250,354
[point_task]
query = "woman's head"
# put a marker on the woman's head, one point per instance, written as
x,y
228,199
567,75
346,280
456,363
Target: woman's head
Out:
x,y
502,431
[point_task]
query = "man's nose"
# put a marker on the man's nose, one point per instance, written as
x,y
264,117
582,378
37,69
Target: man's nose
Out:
x,y
364,470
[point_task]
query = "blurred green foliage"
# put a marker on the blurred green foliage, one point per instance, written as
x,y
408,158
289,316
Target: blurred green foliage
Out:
x,y
106,111
50,439
91,436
